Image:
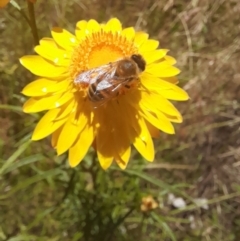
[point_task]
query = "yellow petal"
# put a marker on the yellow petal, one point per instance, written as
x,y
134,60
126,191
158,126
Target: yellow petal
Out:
x,y
43,86
146,150
59,54
155,102
170,60
67,108
155,55
82,24
92,26
80,149
166,125
71,130
38,104
149,45
126,155
48,43
122,160
120,127
113,25
55,136
133,127
80,34
154,132
141,129
163,88
124,132
140,38
55,55
47,125
65,97
162,69
173,80
143,142
160,121
105,161
138,132
104,142
175,119
38,66
175,93
129,33
152,82
63,38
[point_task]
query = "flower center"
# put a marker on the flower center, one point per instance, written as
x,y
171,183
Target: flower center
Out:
x,y
100,48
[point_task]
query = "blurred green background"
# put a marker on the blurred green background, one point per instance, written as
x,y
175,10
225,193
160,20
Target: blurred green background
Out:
x,y
195,177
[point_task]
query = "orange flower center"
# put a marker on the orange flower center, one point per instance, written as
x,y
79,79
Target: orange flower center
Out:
x,y
99,48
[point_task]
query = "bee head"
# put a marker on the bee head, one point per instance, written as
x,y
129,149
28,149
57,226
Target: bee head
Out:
x,y
138,59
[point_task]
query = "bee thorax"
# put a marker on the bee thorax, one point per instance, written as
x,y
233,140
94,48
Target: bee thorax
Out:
x,y
126,68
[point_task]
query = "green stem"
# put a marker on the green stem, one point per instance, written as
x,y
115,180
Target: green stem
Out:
x,y
33,22
212,201
15,5
25,17
115,226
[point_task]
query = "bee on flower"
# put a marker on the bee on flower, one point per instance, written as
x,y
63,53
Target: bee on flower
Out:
x,y
106,86
111,80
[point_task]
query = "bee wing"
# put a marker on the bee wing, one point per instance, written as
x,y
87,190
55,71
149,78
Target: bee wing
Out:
x,y
115,83
104,76
92,75
104,84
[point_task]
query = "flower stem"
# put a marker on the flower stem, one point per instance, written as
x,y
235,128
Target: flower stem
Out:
x,y
33,22
25,17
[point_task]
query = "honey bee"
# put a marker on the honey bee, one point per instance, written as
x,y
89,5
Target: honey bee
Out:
x,y
111,80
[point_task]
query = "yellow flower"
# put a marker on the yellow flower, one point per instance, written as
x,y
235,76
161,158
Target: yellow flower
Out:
x,y
132,118
3,3
148,204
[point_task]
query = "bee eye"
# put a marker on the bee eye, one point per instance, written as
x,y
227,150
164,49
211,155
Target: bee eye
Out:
x,y
135,56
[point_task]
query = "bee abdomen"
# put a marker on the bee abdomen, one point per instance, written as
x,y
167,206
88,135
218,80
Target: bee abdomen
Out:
x,y
95,95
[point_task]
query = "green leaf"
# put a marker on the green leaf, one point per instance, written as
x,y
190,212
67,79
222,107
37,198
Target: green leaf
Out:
x,y
24,161
14,156
157,182
12,108
15,4
39,219
166,229
30,181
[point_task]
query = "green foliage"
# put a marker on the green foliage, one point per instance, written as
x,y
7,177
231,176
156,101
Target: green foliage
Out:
x,y
86,202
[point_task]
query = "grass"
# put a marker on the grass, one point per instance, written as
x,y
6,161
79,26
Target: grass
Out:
x,y
41,198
